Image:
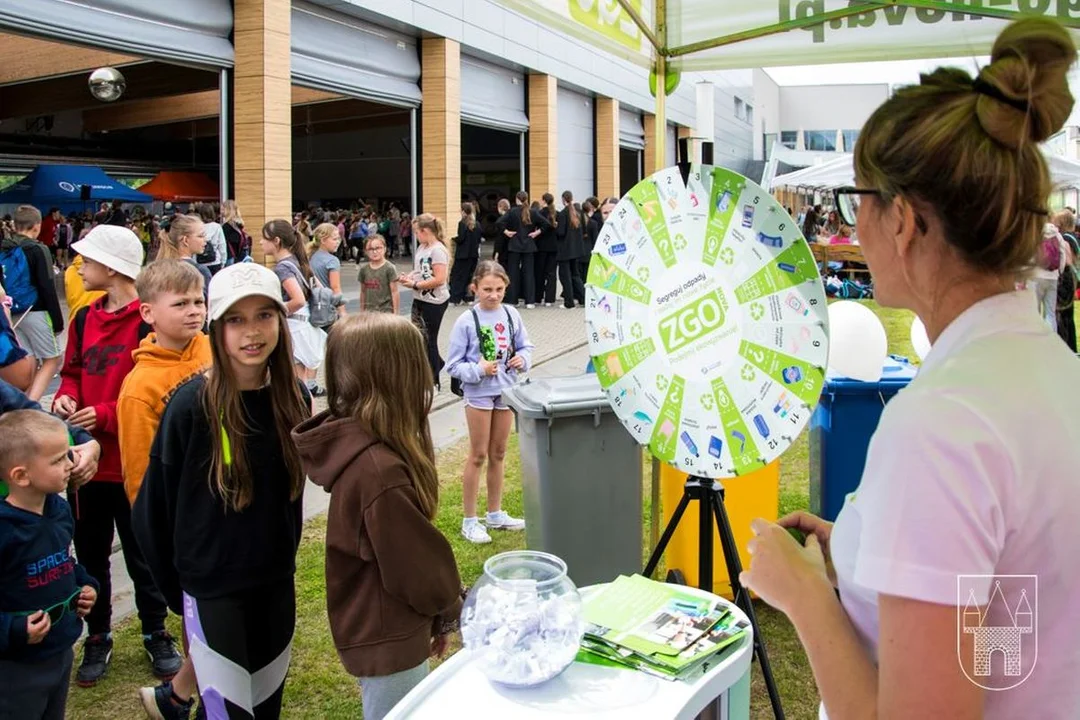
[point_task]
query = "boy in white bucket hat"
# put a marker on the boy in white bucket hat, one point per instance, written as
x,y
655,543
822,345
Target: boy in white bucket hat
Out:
x,y
100,343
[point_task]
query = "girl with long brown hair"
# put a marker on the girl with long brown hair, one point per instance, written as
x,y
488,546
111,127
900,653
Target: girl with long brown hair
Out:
x,y
547,249
523,226
571,251
392,587
466,254
281,243
218,516
428,281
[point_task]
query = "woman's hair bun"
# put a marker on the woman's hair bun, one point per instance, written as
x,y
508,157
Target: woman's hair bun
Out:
x,y
1029,63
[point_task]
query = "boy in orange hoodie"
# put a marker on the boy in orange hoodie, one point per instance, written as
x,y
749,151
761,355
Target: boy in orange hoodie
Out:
x,y
171,301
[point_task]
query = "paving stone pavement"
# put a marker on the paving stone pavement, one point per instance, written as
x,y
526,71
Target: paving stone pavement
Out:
x,y
557,333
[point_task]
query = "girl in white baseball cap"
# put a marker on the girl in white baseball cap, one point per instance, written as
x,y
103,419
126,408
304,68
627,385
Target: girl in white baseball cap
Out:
x,y
219,513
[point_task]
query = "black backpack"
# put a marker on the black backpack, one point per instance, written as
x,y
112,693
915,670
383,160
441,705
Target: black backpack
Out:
x,y
79,322
455,384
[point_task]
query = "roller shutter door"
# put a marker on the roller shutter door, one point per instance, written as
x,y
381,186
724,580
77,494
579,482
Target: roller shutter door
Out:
x,y
492,96
343,54
576,131
631,129
195,34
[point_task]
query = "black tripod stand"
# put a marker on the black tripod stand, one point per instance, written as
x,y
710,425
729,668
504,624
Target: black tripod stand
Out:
x,y
710,496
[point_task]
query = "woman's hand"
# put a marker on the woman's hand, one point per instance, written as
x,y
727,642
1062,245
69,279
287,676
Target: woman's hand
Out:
x,y
813,525
489,368
517,362
782,572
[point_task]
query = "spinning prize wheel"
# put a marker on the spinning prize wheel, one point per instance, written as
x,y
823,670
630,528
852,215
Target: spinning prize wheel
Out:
x,y
707,321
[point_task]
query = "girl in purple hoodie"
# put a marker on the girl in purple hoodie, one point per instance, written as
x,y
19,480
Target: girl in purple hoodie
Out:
x,y
489,351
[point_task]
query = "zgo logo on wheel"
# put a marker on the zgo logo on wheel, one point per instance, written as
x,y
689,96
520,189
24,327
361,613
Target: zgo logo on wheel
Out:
x,y
705,321
692,322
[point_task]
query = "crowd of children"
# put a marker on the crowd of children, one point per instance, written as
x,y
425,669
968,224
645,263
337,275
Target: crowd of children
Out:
x,y
182,421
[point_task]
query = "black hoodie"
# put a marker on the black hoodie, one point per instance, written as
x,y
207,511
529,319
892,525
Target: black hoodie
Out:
x,y
192,542
37,572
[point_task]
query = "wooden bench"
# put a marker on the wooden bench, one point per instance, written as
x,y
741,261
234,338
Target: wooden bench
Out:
x,y
825,254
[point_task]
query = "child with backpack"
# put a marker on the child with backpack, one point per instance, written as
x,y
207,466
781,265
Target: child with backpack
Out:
x,y
286,247
44,593
35,307
489,351
393,591
219,514
97,360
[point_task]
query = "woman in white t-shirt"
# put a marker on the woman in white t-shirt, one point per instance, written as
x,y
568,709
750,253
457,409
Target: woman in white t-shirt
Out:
x,y
963,534
428,281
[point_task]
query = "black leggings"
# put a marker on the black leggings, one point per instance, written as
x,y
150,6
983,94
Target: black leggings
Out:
x,y
545,277
428,317
572,286
521,269
252,629
461,274
96,506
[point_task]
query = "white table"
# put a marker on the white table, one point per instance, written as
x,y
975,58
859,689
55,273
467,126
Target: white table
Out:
x,y
457,689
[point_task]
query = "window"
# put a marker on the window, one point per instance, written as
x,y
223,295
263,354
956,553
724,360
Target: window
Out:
x,y
744,110
789,139
850,138
821,140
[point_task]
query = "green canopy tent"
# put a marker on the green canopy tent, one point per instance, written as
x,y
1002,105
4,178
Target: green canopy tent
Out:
x,y
670,36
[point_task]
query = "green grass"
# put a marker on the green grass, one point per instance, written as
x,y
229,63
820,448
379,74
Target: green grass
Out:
x,y
318,687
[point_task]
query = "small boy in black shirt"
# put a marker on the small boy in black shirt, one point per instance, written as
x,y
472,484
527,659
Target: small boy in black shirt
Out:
x,y
44,593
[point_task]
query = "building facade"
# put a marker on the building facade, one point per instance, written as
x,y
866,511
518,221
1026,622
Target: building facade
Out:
x,y
423,101
815,118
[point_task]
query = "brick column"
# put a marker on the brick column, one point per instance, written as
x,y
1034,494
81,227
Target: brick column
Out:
x,y
262,113
607,147
543,136
440,166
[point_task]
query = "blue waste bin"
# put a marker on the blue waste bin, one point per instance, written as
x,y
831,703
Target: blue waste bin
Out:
x,y
840,431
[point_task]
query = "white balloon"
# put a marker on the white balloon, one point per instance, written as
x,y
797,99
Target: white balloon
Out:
x,y
919,339
857,342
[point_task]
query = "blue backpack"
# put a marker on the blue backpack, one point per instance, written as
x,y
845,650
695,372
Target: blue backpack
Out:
x,y
17,282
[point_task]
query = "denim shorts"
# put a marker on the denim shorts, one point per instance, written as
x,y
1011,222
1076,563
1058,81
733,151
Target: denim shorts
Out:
x,y
488,402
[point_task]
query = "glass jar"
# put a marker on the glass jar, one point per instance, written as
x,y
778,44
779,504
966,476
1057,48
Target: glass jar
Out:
x,y
522,620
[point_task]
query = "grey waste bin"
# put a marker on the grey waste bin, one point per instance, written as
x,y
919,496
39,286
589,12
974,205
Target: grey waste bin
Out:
x,y
580,476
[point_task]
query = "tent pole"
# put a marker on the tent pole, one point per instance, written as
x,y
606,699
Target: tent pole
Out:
x,y
224,128
660,68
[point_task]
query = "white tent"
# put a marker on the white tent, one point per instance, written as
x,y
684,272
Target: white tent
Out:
x,y
1064,173
677,35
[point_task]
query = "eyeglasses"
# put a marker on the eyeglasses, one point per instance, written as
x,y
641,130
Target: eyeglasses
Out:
x,y
848,200
56,612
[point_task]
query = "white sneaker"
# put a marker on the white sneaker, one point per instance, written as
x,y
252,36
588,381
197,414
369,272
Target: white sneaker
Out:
x,y
475,533
530,306
502,521
548,304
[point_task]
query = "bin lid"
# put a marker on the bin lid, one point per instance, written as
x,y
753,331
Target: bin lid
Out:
x,y
896,373
545,398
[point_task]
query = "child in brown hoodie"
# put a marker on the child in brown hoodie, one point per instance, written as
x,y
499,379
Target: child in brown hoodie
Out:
x,y
392,586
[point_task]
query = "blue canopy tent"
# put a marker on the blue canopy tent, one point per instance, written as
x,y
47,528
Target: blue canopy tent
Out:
x,y
61,186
